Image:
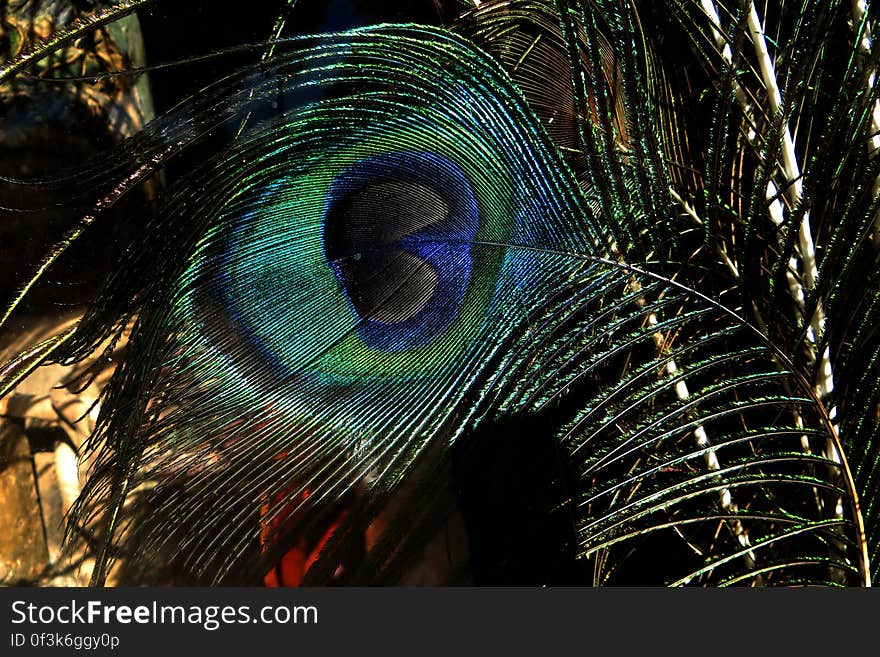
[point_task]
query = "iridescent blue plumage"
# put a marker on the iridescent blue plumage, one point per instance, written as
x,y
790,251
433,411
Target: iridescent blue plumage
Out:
x,y
398,230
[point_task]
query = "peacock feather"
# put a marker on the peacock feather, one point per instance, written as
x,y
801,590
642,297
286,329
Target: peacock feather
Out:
x,y
593,282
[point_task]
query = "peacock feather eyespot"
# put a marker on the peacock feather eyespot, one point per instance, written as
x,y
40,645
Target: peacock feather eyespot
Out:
x,y
398,231
374,248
